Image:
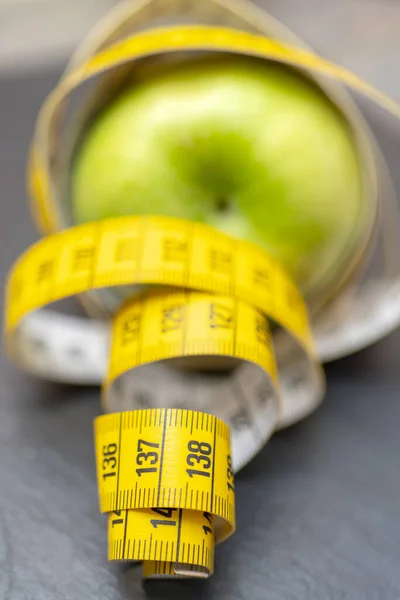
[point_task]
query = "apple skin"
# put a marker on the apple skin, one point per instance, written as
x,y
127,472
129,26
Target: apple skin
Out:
x,y
250,147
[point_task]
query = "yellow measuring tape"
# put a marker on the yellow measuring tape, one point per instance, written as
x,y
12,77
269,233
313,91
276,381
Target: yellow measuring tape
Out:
x,y
153,250
238,286
175,459
166,475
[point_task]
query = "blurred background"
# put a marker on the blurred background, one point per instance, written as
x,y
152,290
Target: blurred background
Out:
x,y
38,34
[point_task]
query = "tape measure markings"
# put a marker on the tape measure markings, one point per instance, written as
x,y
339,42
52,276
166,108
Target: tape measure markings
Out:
x,y
131,482
163,521
245,335
135,535
80,259
161,325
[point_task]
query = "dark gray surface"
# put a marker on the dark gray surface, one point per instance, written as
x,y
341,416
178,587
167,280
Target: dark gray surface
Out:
x,y
318,510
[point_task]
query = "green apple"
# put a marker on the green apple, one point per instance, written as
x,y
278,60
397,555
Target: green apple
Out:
x,y
250,147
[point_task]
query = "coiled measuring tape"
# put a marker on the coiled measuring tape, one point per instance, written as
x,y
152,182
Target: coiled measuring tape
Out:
x,y
240,286
166,474
175,459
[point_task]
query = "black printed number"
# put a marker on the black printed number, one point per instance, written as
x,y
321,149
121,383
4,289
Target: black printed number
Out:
x,y
44,271
229,474
207,528
109,461
262,277
146,457
220,261
199,457
130,329
172,318
118,521
174,250
82,259
164,512
221,316
262,331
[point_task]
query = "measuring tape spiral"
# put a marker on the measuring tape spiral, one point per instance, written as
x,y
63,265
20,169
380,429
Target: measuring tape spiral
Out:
x,y
239,285
174,459
166,473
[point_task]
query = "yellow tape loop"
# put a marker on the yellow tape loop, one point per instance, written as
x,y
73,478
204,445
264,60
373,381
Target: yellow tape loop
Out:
x,y
153,250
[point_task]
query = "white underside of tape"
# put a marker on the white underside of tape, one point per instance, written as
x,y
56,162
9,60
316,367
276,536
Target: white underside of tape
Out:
x,y
75,349
371,316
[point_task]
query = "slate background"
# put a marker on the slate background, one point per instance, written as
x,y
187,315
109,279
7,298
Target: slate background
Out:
x,y
318,510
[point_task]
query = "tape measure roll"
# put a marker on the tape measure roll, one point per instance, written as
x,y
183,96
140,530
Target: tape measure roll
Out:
x,y
172,469
241,286
227,291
